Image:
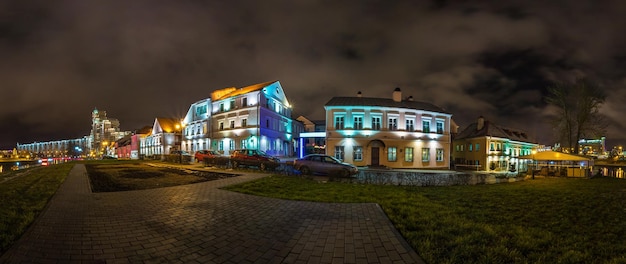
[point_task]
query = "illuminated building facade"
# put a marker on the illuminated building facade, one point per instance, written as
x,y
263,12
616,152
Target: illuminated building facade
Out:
x,y
252,117
164,138
128,146
592,147
309,142
104,132
396,133
486,146
196,127
54,149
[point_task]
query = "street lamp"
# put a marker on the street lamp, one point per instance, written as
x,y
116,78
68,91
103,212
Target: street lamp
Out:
x,y
534,162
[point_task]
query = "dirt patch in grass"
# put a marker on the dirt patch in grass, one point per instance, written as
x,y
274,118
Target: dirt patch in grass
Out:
x,y
139,176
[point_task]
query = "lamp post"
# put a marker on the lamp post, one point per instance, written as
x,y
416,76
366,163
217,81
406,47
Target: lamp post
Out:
x,y
534,163
177,135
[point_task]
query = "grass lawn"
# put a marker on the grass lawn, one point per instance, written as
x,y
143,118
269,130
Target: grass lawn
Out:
x,y
554,220
24,197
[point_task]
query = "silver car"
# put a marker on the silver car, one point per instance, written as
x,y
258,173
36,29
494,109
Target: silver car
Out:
x,y
324,164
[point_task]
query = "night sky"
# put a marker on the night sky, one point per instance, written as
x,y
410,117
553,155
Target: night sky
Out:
x,y
139,60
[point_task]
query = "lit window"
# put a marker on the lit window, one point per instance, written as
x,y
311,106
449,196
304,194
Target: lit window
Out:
x,y
232,144
440,127
358,122
339,152
376,123
200,110
221,145
410,125
425,126
477,147
439,154
470,147
243,144
338,122
392,123
408,154
358,153
391,154
425,154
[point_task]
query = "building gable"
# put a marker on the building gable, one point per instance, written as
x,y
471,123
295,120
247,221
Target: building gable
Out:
x,y
164,125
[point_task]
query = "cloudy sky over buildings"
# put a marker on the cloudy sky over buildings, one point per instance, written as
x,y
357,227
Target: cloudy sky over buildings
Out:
x,y
143,59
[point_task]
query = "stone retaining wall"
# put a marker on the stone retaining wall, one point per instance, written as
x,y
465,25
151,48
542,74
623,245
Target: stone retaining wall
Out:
x,y
421,178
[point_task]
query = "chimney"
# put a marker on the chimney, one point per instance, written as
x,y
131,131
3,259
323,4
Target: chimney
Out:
x,y
358,94
397,95
410,98
481,123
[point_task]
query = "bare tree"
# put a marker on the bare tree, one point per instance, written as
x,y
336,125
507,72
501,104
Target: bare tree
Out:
x,y
579,104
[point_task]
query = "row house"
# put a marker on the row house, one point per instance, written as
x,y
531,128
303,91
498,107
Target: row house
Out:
x,y
196,126
395,133
486,146
128,146
164,138
251,117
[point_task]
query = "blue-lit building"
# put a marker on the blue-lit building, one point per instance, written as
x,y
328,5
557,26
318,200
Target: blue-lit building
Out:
x,y
395,133
196,126
313,140
251,117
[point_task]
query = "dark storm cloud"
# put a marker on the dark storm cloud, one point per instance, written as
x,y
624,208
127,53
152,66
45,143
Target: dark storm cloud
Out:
x,y
142,59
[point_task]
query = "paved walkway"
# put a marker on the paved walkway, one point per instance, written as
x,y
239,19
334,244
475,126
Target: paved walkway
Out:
x,y
200,223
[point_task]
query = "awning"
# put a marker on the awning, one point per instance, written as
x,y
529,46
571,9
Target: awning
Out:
x,y
554,156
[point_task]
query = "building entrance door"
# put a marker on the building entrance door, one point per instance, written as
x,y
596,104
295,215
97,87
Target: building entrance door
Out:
x,y
375,154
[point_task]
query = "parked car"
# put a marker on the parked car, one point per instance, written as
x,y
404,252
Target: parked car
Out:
x,y
179,156
211,157
180,152
200,155
253,157
324,164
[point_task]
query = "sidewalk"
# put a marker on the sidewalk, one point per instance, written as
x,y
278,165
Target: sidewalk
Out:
x,y
199,223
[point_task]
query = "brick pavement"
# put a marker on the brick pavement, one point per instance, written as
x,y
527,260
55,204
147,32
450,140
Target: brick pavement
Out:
x,y
200,223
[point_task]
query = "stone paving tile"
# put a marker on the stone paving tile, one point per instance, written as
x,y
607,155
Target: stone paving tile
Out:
x,y
199,223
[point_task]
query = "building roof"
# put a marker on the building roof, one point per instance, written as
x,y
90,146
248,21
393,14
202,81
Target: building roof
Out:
x,y
493,130
168,124
144,130
124,141
554,156
232,91
383,102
